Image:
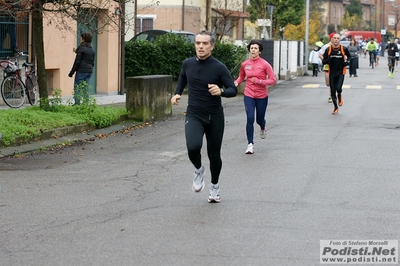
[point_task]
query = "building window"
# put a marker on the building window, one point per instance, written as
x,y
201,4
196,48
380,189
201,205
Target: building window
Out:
x,y
391,21
144,23
222,27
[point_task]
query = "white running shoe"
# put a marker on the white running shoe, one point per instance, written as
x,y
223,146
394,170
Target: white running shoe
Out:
x,y
214,194
263,133
250,149
198,182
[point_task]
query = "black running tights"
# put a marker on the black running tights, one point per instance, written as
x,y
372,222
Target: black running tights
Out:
x,y
196,126
336,83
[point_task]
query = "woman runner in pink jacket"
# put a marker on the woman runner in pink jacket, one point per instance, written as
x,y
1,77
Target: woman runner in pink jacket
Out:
x,y
259,75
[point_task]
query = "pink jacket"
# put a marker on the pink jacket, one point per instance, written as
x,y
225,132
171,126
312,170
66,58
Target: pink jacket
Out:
x,y
264,76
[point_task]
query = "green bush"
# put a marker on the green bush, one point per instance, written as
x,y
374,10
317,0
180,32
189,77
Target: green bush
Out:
x,y
142,58
175,49
231,55
166,54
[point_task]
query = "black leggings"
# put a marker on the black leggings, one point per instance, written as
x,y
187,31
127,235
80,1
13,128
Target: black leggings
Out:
x,y
336,83
213,127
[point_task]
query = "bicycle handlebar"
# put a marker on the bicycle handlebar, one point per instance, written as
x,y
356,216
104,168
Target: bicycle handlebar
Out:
x,y
22,54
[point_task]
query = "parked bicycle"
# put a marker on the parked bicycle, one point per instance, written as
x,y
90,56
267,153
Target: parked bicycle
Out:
x,y
13,90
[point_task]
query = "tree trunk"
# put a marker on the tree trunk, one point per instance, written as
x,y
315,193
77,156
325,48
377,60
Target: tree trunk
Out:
x,y
37,25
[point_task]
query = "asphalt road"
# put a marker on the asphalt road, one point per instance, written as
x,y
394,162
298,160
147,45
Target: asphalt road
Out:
x,y
125,198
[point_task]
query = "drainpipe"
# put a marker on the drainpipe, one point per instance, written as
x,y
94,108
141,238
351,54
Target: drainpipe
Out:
x,y
207,13
122,47
183,14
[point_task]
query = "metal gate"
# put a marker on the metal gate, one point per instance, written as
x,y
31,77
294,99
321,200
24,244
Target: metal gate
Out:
x,y
14,32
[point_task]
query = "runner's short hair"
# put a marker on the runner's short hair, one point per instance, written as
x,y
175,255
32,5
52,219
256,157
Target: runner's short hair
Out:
x,y
204,32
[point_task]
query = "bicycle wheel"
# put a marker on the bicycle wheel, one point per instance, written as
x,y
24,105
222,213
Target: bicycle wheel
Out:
x,y
372,60
13,91
32,88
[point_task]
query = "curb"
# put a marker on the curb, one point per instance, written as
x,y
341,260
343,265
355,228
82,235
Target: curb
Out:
x,y
51,133
76,134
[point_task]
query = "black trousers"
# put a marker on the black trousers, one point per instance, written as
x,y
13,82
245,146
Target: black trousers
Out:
x,y
353,66
391,63
212,126
315,69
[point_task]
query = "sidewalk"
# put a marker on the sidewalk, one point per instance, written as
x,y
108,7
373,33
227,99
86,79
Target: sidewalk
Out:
x,y
102,99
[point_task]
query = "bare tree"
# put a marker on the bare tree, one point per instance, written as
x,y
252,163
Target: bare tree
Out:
x,y
61,14
221,17
396,12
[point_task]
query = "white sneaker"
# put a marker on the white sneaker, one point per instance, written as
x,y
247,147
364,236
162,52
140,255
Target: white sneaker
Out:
x,y
214,194
198,182
250,149
263,133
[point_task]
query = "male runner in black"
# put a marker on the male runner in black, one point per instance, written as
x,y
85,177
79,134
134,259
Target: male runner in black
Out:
x,y
208,80
391,50
337,62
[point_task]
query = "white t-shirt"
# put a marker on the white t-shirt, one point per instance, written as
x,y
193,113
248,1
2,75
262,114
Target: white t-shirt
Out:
x,y
323,48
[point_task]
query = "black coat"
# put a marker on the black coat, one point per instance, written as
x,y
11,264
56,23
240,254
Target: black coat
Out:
x,y
84,60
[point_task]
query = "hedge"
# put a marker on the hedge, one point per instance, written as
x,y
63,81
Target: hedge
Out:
x,y
166,54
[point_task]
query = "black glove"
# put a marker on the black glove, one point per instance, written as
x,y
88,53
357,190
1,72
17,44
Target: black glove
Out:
x,y
346,63
326,61
70,74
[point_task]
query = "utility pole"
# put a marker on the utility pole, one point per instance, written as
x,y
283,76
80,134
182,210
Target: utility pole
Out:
x,y
375,19
270,11
306,40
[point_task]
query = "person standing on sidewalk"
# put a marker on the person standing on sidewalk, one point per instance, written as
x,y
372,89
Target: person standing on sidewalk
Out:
x,y
259,75
391,49
315,61
208,80
83,66
354,51
337,57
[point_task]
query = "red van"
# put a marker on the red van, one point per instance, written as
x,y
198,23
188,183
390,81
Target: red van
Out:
x,y
348,35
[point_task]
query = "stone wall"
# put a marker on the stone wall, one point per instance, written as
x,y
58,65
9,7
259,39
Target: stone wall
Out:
x,y
149,97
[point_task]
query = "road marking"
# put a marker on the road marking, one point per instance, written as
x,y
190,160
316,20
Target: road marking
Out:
x,y
368,87
373,87
312,86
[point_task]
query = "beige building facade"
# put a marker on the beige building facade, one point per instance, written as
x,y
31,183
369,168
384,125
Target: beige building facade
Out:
x,y
59,57
193,16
